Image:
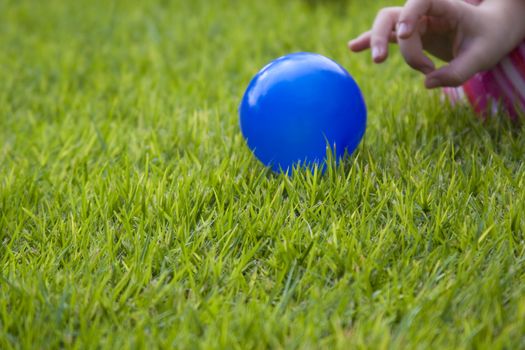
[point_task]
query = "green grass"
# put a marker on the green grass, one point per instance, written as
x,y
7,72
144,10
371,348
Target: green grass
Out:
x,y
132,214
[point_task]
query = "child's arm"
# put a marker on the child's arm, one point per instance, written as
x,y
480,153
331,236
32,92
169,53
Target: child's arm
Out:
x,y
471,38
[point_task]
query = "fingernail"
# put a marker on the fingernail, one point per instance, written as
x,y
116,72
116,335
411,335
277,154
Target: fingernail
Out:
x,y
403,29
432,83
376,53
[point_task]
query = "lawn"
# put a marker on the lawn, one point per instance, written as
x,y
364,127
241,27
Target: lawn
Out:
x,y
132,215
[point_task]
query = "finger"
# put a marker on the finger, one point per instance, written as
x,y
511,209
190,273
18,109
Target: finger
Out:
x,y
458,71
414,10
382,29
362,42
412,51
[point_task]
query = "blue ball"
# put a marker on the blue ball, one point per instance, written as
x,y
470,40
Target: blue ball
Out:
x,y
298,106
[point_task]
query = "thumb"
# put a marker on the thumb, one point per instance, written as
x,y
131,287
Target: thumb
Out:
x,y
458,71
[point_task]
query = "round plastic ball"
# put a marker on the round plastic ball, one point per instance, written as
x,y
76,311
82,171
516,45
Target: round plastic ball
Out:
x,y
298,108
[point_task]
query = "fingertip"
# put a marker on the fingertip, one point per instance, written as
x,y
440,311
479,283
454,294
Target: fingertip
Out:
x,y
404,30
432,83
379,54
428,66
379,59
448,76
356,47
427,70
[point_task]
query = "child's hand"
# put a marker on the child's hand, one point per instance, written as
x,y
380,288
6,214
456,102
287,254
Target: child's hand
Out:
x,y
471,38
